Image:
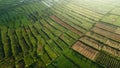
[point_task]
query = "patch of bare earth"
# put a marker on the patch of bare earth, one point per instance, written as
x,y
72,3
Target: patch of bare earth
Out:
x,y
85,50
55,18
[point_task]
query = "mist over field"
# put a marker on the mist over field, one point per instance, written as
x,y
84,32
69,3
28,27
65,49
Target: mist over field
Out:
x,y
59,33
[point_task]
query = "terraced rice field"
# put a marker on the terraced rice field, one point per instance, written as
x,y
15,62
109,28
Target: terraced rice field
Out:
x,y
60,34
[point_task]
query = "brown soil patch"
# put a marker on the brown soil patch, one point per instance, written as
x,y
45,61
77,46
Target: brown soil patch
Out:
x,y
85,50
65,25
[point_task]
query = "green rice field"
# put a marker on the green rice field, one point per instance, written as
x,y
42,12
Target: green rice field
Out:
x,y
59,34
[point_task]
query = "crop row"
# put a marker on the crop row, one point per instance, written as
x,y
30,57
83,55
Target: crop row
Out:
x,y
108,61
85,50
75,18
105,44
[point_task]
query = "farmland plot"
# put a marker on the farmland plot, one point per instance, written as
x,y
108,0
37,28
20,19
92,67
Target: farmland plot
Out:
x,y
60,34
